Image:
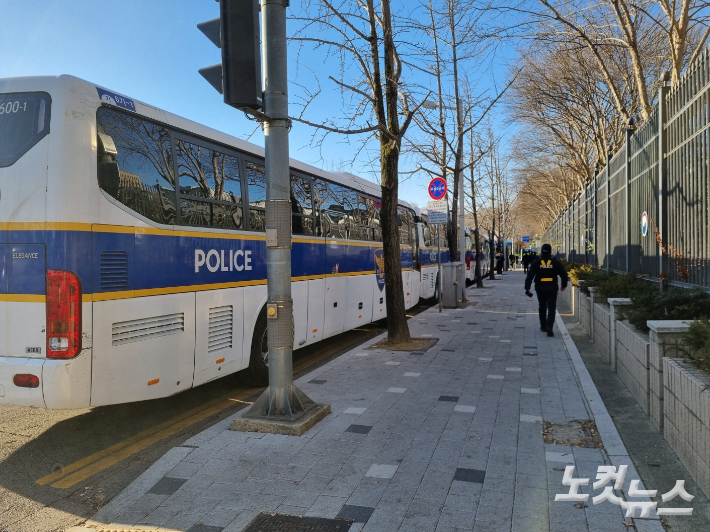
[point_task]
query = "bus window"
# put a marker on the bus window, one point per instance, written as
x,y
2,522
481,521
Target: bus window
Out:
x,y
372,218
256,183
339,208
405,226
426,232
301,206
194,212
24,121
135,164
207,174
443,236
361,229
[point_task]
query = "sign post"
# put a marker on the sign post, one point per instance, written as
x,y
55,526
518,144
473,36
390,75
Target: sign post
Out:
x,y
438,215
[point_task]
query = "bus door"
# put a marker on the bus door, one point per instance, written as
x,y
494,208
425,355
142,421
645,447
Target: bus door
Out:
x,y
144,340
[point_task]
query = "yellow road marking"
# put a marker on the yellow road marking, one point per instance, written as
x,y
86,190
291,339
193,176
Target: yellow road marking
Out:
x,y
101,460
113,448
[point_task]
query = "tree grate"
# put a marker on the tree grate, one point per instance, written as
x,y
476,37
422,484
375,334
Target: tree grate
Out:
x,y
266,522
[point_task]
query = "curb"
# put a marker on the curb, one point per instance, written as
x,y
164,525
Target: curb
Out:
x,y
613,445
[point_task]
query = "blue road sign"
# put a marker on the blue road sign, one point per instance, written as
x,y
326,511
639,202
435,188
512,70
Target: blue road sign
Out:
x,y
437,188
526,239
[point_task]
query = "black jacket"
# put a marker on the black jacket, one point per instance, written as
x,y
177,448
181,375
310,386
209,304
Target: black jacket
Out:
x,y
545,270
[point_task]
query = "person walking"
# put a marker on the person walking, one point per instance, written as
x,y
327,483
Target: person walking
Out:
x,y
512,259
499,263
526,260
545,270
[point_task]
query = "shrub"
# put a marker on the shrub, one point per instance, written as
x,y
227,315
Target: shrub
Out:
x,y
628,285
697,343
590,276
567,265
671,304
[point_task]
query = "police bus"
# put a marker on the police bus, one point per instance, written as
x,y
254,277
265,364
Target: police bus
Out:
x,y
132,249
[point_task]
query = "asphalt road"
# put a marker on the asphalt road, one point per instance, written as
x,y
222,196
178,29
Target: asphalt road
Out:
x,y
58,467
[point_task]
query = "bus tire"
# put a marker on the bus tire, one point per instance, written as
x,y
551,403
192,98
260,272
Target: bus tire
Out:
x,y
258,370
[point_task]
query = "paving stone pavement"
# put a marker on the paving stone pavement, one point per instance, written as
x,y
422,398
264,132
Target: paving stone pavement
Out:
x,y
448,440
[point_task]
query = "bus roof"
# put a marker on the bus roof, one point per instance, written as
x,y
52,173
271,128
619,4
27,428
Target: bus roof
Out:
x,y
82,89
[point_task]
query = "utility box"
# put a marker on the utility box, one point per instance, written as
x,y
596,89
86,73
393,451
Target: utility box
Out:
x,y
451,275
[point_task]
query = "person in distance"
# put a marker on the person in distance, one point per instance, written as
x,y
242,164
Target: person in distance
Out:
x,y
545,270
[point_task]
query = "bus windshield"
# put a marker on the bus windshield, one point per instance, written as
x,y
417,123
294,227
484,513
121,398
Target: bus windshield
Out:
x,y
24,121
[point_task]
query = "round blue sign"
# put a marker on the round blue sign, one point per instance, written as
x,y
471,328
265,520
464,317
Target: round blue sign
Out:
x,y
644,224
437,188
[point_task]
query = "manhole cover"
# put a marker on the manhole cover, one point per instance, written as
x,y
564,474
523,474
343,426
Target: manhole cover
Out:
x,y
577,433
291,523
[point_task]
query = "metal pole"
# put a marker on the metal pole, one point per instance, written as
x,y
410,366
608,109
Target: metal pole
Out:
x,y
281,400
662,199
438,254
505,230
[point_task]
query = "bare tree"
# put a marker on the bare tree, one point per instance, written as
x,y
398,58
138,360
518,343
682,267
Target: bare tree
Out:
x,y
476,152
460,41
364,39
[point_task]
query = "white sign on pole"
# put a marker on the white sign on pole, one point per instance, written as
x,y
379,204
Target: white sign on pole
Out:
x,y
438,212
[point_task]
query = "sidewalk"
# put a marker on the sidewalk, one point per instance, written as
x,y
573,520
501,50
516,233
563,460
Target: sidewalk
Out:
x,y
448,440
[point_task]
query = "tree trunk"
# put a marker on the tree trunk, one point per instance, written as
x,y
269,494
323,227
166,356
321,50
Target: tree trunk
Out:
x,y
493,250
492,236
397,327
479,278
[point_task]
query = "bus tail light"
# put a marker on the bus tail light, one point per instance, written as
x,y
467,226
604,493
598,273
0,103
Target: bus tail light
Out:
x,y
63,314
26,380
468,262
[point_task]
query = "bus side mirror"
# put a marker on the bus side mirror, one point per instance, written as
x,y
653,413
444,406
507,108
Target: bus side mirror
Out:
x,y
108,175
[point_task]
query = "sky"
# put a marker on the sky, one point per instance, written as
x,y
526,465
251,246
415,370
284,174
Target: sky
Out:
x,y
151,50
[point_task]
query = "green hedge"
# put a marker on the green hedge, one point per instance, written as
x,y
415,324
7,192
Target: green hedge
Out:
x,y
648,301
697,343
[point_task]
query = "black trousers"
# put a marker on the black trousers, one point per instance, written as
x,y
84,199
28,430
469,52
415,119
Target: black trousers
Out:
x,y
547,298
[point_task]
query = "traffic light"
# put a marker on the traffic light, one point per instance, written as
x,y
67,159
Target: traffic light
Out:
x,y
236,32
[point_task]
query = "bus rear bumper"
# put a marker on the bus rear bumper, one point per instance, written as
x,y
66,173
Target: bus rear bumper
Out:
x,y
10,393
62,383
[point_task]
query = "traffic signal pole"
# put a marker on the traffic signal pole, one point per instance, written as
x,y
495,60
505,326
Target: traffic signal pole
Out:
x,y
282,401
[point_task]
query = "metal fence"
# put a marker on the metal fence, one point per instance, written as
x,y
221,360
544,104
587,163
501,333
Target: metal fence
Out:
x,y
648,210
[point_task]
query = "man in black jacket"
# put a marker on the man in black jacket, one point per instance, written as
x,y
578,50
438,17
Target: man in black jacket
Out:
x,y
527,256
545,270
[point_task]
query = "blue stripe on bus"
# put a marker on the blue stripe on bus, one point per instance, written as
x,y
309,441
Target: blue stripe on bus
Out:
x,y
165,261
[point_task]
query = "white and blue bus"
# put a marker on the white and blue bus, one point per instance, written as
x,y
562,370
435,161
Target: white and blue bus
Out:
x,y
132,249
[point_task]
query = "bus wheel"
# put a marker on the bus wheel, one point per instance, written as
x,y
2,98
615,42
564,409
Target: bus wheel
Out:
x,y
259,357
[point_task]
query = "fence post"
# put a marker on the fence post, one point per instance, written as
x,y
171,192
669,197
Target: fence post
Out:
x,y
629,133
662,170
609,156
596,218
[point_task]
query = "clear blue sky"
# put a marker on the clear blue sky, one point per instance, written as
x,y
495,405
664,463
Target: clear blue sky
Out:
x,y
149,50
